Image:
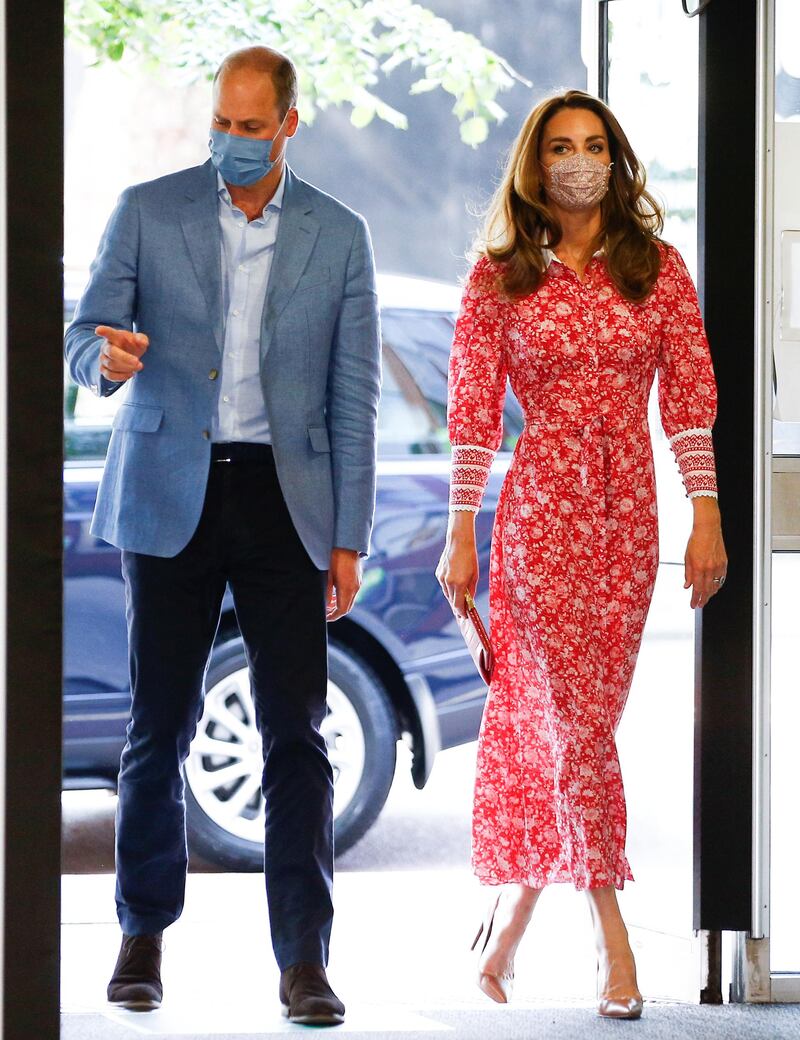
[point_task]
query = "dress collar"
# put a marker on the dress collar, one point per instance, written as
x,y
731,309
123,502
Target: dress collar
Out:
x,y
550,256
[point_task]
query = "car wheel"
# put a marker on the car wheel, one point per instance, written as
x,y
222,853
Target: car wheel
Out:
x,y
224,804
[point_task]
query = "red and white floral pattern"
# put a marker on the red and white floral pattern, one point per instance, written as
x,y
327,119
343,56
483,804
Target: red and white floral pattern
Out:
x,y
575,544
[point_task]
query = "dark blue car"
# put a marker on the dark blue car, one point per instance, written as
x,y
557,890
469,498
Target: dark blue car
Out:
x,y
398,666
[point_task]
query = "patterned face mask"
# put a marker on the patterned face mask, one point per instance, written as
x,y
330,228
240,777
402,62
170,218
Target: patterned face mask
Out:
x,y
577,182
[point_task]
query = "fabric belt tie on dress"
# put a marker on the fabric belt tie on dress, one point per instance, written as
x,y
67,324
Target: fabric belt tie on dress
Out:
x,y
594,464
594,427
588,431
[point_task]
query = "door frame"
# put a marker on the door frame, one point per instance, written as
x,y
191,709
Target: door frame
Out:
x,y
31,407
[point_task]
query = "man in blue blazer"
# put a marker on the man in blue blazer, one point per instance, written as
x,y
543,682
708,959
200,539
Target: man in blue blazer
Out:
x,y
236,306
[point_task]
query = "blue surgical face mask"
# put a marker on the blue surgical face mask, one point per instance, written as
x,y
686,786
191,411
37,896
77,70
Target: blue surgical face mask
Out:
x,y
242,160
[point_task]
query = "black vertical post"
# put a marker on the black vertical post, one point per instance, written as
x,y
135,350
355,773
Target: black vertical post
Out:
x,y
726,217
33,63
602,50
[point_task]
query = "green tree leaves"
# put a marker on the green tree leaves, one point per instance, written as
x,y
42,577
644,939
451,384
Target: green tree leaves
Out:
x,y
341,49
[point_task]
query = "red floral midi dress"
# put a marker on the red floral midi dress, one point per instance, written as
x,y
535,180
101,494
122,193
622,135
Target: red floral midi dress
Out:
x,y
574,546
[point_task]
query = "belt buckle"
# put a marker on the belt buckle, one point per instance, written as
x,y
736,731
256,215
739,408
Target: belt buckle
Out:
x,y
229,457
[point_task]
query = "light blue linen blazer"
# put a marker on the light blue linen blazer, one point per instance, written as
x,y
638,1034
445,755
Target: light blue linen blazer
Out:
x,y
158,270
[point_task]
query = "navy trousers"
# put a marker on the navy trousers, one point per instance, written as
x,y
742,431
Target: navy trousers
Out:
x,y
245,538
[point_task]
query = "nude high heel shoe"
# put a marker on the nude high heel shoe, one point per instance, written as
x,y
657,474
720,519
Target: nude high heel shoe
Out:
x,y
498,987
613,1004
496,964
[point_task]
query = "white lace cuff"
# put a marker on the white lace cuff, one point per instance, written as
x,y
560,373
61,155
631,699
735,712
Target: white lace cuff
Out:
x,y
694,453
470,465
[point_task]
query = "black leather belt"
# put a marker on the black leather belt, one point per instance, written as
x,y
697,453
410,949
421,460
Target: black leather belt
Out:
x,y
240,451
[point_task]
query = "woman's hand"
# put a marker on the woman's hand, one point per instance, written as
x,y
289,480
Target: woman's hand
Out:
x,y
705,558
458,565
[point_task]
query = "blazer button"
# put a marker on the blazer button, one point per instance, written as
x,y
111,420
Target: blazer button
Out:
x,y
213,373
206,434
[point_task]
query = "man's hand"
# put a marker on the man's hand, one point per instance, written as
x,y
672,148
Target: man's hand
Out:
x,y
344,581
121,353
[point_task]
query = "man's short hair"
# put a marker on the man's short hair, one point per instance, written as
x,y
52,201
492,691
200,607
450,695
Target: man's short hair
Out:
x,y
275,64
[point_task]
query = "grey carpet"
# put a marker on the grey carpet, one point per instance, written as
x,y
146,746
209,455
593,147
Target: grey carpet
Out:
x,y
661,1021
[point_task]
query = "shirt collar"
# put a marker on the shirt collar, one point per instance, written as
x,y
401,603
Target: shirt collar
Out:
x,y
276,202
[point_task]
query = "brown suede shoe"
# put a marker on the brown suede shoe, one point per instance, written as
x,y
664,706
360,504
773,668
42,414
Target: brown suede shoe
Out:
x,y
136,982
307,999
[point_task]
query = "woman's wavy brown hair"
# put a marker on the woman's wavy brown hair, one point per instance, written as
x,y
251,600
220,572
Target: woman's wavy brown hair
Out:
x,y
519,224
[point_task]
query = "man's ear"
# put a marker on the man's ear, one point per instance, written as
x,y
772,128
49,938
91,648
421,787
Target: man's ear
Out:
x,y
292,122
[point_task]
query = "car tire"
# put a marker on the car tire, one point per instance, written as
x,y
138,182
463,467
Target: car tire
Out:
x,y
224,806
370,702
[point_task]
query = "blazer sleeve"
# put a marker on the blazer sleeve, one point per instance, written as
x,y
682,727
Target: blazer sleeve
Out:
x,y
687,389
354,384
109,297
476,387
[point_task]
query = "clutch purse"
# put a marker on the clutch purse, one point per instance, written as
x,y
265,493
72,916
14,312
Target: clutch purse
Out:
x,y
477,639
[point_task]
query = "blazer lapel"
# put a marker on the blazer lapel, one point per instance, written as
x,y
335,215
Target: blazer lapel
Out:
x,y
200,222
297,234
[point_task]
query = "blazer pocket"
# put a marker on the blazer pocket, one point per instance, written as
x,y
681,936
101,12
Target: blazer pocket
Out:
x,y
316,279
319,438
138,418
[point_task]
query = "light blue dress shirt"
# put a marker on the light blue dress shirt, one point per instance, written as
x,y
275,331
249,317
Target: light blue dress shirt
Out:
x,y
247,252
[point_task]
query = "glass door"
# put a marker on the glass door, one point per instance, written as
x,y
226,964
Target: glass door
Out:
x,y
782,67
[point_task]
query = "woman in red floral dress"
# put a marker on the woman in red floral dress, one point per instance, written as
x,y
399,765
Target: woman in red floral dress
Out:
x,y
579,303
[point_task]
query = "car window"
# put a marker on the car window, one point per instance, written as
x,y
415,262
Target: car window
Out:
x,y
87,418
421,340
407,424
87,421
